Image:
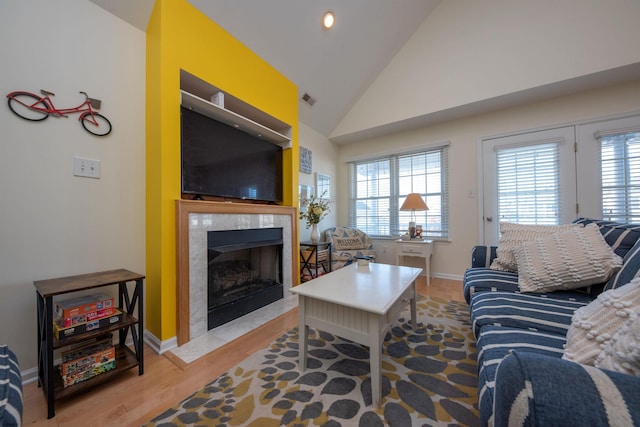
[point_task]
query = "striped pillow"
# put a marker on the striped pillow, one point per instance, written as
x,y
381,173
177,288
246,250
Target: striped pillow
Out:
x,y
512,236
630,269
568,260
621,237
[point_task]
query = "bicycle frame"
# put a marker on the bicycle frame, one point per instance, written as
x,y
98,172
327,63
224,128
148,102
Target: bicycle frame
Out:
x,y
62,112
42,106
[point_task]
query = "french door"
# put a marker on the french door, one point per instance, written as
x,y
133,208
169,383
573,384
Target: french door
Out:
x,y
554,175
619,200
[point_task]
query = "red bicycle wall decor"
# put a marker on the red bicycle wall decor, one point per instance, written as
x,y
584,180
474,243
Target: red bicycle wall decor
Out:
x,y
35,108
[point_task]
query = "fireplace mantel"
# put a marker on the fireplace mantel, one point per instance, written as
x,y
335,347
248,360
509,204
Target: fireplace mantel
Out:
x,y
184,209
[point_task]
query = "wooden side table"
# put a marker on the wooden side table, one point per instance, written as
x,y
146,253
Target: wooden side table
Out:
x,y
130,303
418,249
311,260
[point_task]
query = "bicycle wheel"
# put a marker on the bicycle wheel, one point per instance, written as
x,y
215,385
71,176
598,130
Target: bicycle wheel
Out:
x,y
21,102
98,125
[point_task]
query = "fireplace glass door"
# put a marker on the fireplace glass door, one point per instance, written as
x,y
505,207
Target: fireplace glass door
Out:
x,y
244,272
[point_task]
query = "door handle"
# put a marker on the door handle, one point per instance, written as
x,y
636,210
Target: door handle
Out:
x,y
489,218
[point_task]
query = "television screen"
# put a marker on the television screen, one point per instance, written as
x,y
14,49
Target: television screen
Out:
x,y
219,160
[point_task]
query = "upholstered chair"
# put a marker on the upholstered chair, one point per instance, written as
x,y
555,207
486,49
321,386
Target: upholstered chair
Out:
x,y
347,244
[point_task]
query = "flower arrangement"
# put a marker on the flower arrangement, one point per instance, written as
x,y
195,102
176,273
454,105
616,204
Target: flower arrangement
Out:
x,y
316,209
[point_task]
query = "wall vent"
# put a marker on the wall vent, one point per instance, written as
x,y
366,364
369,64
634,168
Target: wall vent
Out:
x,y
308,99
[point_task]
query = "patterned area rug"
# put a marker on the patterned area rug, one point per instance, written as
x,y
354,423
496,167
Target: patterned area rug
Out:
x,y
429,379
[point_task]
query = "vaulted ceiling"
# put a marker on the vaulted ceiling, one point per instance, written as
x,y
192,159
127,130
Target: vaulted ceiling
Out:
x,y
334,67
338,66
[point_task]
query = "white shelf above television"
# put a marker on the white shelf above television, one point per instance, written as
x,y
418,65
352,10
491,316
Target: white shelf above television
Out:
x,y
234,119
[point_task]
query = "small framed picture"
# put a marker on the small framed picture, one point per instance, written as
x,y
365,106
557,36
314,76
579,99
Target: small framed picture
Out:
x,y
323,184
306,161
305,191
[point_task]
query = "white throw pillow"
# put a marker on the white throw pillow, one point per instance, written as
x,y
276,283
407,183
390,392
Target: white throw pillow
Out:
x,y
512,236
622,352
593,325
569,260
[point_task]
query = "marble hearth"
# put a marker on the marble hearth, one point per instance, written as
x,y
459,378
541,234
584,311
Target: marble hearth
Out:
x,y
194,220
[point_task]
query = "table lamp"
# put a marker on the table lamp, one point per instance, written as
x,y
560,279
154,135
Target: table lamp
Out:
x,y
413,203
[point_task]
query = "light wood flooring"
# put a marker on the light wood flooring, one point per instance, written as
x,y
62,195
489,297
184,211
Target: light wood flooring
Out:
x,y
131,400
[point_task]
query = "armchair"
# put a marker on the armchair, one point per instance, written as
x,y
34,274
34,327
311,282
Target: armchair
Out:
x,y
347,244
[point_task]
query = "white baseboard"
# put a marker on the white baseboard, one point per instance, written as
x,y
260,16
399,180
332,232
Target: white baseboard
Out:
x,y
157,345
447,276
29,375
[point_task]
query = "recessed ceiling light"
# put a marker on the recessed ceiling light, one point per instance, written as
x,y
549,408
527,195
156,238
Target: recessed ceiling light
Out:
x,y
328,20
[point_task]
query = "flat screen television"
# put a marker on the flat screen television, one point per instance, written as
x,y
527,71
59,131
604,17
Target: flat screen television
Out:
x,y
219,160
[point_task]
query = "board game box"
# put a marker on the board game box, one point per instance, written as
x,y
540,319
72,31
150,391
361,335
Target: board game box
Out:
x,y
81,305
97,369
85,348
87,360
86,317
61,332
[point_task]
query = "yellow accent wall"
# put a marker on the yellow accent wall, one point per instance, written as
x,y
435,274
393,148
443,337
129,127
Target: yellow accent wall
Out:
x,y
180,37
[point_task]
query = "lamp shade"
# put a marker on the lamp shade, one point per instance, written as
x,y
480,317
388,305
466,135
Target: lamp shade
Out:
x,y
414,202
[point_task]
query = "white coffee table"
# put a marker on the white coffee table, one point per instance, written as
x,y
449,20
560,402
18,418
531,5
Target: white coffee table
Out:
x,y
357,303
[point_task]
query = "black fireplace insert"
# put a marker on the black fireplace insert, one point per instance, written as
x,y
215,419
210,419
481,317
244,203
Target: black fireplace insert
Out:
x,y
244,272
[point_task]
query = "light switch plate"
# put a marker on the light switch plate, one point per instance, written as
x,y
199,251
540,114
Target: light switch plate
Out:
x,y
87,168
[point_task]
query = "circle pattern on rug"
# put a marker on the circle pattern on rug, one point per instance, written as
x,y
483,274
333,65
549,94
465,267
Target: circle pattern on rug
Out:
x,y
429,378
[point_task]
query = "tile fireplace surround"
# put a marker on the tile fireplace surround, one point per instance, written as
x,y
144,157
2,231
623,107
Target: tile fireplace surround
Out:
x,y
194,220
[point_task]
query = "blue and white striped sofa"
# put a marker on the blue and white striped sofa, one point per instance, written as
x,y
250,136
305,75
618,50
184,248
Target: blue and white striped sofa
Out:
x,y
522,378
10,389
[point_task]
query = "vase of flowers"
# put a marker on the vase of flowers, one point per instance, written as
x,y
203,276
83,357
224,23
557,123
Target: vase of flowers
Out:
x,y
312,210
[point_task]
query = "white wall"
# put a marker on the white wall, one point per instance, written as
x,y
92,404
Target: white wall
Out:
x,y
451,258
468,51
324,158
53,224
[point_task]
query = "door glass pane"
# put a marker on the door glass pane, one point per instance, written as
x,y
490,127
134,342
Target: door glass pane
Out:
x,y
528,184
620,156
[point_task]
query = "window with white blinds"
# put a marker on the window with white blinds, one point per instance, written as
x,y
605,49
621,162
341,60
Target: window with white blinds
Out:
x,y
370,198
379,187
620,162
528,184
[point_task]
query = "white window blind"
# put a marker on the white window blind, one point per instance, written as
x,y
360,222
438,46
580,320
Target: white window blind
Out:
x,y
528,184
370,205
620,160
379,187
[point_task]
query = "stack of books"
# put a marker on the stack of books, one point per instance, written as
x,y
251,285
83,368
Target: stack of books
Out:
x,y
83,314
87,360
